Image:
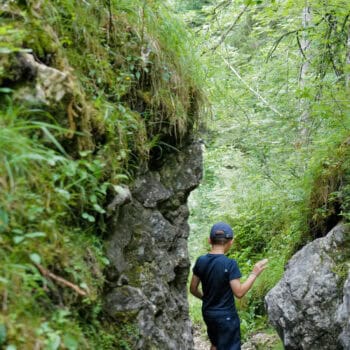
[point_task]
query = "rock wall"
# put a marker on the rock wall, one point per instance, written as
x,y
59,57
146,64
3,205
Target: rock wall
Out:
x,y
310,307
148,253
147,245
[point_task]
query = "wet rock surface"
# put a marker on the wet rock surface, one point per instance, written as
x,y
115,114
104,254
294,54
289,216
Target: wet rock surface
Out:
x,y
148,254
307,306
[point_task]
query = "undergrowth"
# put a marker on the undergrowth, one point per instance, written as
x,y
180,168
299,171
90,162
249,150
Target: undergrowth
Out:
x,y
133,94
279,180
48,206
269,222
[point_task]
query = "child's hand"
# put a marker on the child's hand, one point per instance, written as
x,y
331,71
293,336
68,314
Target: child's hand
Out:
x,y
260,266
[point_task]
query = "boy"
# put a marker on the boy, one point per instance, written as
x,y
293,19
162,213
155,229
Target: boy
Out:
x,y
220,278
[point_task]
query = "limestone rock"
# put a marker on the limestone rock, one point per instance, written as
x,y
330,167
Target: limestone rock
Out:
x,y
303,306
343,316
147,248
123,196
155,192
50,84
124,301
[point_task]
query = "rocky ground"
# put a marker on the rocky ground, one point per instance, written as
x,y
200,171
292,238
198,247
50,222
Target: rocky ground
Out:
x,y
264,341
257,341
200,340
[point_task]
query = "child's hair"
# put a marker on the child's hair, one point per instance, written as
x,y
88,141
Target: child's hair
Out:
x,y
219,240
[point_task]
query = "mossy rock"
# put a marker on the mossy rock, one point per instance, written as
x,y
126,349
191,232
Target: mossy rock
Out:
x,y
330,196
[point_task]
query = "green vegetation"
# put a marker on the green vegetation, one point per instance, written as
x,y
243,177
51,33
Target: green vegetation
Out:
x,y
277,150
132,94
277,77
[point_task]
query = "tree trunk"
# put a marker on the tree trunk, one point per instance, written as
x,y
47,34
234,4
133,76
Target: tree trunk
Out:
x,y
304,104
347,76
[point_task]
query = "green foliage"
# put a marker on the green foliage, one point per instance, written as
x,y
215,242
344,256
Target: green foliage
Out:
x,y
11,39
188,5
108,336
145,68
277,151
196,312
40,224
134,83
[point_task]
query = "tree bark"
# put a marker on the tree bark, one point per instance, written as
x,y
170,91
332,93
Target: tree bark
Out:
x,y
304,104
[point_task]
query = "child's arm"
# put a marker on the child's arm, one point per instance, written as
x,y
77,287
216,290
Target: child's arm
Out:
x,y
194,287
240,289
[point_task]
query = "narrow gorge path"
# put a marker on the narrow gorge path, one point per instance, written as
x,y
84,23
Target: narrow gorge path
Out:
x,y
257,341
200,341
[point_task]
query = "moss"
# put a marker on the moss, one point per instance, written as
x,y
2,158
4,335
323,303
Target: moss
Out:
x,y
329,195
341,258
40,40
342,271
132,84
126,316
122,336
7,73
134,274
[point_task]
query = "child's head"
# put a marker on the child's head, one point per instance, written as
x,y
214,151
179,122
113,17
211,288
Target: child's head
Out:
x,y
221,233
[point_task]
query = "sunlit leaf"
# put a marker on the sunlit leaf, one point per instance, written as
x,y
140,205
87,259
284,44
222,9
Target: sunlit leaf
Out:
x,y
36,258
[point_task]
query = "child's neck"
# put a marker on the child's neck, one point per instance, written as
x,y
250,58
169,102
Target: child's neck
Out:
x,y
217,249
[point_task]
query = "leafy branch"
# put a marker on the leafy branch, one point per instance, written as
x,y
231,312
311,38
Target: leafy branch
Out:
x,y
250,88
295,31
225,34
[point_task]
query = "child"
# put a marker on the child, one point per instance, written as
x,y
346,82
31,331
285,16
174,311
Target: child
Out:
x,y
220,279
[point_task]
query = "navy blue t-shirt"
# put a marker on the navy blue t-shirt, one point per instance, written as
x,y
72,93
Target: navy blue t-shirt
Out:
x,y
215,272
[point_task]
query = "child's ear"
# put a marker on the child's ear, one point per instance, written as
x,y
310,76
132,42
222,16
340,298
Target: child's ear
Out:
x,y
209,240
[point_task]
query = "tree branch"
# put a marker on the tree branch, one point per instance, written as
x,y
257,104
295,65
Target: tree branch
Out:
x,y
110,20
4,300
223,4
344,22
274,47
223,36
300,48
48,274
251,89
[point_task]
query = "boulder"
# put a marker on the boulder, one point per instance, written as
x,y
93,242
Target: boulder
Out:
x,y
306,306
343,316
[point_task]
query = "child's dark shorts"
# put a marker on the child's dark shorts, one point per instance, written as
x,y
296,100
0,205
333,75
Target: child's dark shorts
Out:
x,y
223,330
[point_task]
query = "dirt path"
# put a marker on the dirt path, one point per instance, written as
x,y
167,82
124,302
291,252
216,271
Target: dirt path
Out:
x,y
257,341
200,340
